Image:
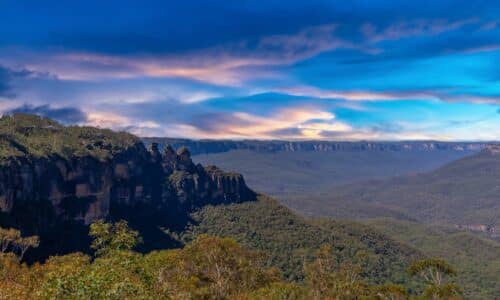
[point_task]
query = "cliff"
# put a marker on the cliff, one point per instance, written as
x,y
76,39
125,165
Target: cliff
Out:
x,y
215,146
51,174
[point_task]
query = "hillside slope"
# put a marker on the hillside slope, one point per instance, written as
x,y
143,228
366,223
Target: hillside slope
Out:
x,y
289,239
290,175
462,192
476,259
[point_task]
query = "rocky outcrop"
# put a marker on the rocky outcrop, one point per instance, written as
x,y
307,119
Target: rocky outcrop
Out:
x,y
40,192
216,146
491,230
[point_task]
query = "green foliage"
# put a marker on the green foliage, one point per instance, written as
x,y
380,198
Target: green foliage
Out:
x,y
447,291
279,291
12,239
328,278
476,259
289,239
388,291
110,237
207,268
25,135
8,237
116,276
211,267
432,270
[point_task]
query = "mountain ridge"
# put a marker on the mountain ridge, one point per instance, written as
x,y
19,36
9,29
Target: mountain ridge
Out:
x,y
216,146
96,174
460,193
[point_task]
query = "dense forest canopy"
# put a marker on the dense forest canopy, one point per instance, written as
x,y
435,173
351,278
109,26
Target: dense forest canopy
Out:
x,y
207,268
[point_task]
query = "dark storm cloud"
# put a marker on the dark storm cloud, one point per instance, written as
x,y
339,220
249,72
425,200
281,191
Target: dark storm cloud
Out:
x,y
66,115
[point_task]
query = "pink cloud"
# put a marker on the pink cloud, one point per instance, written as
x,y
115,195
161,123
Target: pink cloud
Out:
x,y
306,121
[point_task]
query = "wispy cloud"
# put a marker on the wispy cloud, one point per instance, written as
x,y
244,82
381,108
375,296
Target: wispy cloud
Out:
x,y
419,27
368,96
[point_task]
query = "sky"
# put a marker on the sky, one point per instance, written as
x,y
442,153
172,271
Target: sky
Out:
x,y
292,70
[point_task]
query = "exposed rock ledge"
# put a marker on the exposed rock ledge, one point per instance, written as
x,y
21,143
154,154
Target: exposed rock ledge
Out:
x,y
488,229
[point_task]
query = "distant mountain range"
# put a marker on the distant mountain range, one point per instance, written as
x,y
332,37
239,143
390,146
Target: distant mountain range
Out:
x,y
464,193
441,182
216,146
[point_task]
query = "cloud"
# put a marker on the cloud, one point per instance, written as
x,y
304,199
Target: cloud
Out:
x,y
238,61
9,75
4,84
307,91
489,25
66,115
6,77
225,64
253,70
418,27
369,96
303,122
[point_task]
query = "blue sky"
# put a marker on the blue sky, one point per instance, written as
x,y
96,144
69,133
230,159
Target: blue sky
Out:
x,y
335,70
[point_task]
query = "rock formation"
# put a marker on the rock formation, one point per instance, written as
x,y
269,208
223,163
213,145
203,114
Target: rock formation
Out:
x,y
44,191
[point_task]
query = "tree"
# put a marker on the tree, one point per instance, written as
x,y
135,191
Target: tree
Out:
x,y
448,291
110,237
389,291
217,268
327,278
24,243
434,271
8,237
279,291
14,278
12,239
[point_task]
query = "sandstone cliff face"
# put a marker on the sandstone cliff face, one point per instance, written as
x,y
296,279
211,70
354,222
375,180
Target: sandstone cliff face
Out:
x,y
44,191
